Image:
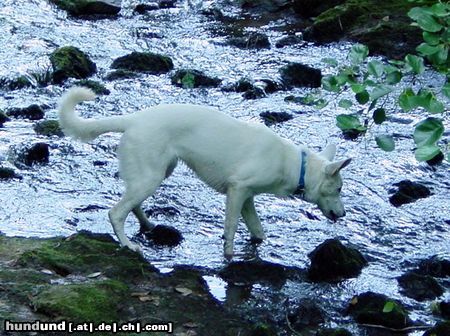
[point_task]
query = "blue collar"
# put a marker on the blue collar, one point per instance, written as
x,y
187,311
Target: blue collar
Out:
x,y
301,181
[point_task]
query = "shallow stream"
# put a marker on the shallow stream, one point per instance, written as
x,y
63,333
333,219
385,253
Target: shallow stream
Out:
x,y
71,193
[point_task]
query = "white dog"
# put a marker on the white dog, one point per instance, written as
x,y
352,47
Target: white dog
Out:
x,y
236,158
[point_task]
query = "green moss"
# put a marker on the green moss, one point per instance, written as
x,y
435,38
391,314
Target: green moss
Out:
x,y
86,253
48,128
95,302
144,62
71,62
97,87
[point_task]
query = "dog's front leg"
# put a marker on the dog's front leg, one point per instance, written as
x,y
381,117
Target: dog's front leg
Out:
x,y
235,200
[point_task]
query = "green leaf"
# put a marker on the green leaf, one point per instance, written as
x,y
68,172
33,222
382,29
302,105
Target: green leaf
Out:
x,y
380,91
362,97
425,19
440,57
389,306
427,50
394,77
386,143
375,68
431,38
358,53
358,88
435,106
330,83
188,81
446,90
349,122
330,61
379,116
428,132
345,103
425,153
408,100
416,63
320,103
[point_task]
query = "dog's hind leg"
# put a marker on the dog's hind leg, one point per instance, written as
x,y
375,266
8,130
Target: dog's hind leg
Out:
x,y
252,221
136,192
145,224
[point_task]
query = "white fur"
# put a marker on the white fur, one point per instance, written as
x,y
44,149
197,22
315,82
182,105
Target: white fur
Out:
x,y
236,158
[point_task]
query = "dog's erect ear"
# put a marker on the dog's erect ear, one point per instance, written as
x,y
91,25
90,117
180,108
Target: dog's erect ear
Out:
x,y
335,167
329,152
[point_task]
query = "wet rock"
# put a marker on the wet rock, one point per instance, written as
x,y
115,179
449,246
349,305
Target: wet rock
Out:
x,y
3,118
265,6
97,87
8,174
189,78
310,8
89,7
408,192
271,118
48,128
164,235
436,160
262,329
32,112
306,314
251,41
420,287
378,309
333,332
444,309
300,75
254,271
167,211
254,89
29,155
121,74
289,40
71,62
360,21
147,62
440,329
435,266
332,261
86,253
81,302
163,4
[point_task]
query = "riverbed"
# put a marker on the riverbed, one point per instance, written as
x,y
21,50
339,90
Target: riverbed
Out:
x,y
71,193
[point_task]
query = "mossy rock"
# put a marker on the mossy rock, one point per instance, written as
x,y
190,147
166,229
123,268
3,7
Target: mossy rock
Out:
x,y
88,7
121,74
272,118
97,87
333,332
85,253
71,62
144,62
48,128
420,287
189,78
93,302
378,309
8,173
383,25
37,153
440,329
312,8
32,112
332,261
251,41
300,75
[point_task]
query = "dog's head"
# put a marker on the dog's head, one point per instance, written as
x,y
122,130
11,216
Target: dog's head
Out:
x,y
326,183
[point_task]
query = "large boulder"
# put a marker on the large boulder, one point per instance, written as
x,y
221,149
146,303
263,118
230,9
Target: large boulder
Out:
x,y
301,75
332,261
71,62
89,7
147,62
378,309
408,192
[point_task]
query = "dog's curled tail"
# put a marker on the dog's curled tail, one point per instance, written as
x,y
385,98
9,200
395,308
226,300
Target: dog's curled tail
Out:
x,y
84,129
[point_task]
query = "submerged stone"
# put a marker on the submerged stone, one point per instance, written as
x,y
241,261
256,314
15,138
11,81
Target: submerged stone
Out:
x,y
48,128
189,78
32,112
408,192
8,174
420,287
3,118
444,309
89,7
164,235
251,41
306,314
378,309
254,271
440,329
97,87
36,154
435,266
144,62
289,40
71,62
271,118
332,261
301,75
333,332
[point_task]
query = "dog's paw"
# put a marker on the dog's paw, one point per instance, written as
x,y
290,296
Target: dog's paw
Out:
x,y
228,251
135,248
